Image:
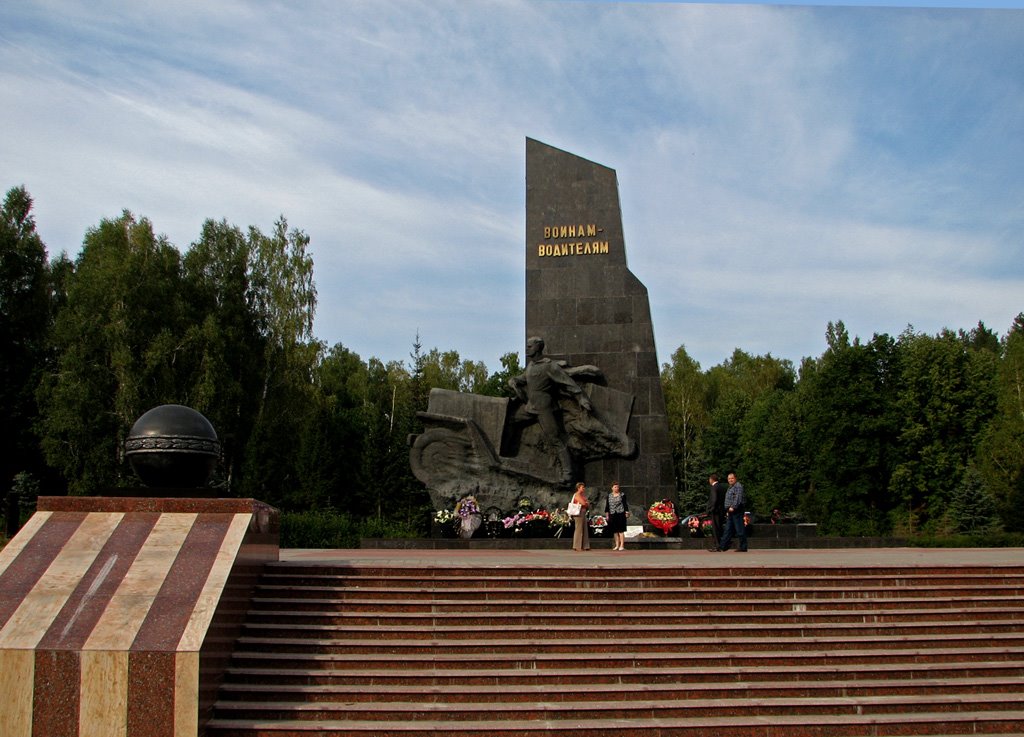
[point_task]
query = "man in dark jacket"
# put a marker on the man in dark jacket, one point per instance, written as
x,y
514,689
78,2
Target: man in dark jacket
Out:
x,y
735,503
716,507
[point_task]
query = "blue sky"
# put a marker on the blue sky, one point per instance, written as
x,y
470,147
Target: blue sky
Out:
x,y
779,166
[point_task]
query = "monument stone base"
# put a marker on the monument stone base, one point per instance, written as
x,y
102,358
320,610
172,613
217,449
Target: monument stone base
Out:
x,y
118,614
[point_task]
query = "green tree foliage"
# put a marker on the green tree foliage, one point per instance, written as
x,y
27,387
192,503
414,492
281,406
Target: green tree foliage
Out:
x,y
389,417
118,340
946,395
224,338
686,401
721,439
227,330
497,384
873,436
981,338
253,300
972,507
448,371
733,389
1000,457
772,459
282,296
331,443
847,433
24,323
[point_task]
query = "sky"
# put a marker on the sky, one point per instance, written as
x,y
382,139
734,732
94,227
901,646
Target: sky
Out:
x,y
779,166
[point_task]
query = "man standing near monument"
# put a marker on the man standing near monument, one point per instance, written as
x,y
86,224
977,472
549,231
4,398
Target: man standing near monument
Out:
x,y
716,508
735,502
539,389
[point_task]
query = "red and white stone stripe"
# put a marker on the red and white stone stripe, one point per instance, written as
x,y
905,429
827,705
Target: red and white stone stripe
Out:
x,y
103,614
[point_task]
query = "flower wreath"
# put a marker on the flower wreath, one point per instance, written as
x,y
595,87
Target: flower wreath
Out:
x,y
663,515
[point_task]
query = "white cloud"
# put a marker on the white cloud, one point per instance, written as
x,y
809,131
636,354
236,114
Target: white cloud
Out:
x,y
807,164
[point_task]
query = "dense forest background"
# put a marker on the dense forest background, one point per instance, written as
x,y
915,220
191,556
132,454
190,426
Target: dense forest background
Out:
x,y
909,435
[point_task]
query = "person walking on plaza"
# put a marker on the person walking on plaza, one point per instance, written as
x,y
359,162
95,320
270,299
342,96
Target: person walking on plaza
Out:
x,y
716,508
734,508
617,509
581,537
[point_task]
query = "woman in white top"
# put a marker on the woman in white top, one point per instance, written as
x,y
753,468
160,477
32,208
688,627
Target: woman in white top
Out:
x,y
581,537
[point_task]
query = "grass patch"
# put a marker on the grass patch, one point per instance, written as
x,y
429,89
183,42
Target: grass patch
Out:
x,y
992,540
330,529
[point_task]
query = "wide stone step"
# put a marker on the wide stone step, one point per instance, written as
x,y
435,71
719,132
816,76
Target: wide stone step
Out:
x,y
625,594
594,569
443,604
597,691
489,643
945,724
626,628
541,617
738,649
691,675
634,708
518,656
639,579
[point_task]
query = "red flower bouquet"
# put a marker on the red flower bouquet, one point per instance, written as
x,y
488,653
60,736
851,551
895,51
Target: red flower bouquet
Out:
x,y
663,516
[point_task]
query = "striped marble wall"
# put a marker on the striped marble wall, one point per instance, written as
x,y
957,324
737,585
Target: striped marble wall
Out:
x,y
105,604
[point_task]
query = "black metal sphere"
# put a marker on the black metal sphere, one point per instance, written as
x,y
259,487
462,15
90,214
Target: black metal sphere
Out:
x,y
172,446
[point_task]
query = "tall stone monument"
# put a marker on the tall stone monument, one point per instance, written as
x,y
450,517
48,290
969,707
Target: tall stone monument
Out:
x,y
589,405
589,308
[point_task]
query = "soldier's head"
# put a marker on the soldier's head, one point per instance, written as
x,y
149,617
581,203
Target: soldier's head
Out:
x,y
534,347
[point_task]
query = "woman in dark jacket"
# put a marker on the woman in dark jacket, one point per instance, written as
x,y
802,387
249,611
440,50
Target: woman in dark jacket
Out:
x,y
617,509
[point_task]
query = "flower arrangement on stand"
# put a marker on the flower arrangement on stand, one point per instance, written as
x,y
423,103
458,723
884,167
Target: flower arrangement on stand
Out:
x,y
698,525
522,522
559,522
447,522
468,511
513,523
528,524
493,522
537,523
663,516
466,506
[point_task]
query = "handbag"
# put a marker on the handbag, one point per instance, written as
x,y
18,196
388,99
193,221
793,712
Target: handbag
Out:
x,y
574,509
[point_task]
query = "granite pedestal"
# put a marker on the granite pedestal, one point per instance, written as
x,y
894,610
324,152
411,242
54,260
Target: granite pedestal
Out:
x,y
117,615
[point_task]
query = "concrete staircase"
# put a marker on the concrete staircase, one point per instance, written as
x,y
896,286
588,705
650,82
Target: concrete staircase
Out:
x,y
501,652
